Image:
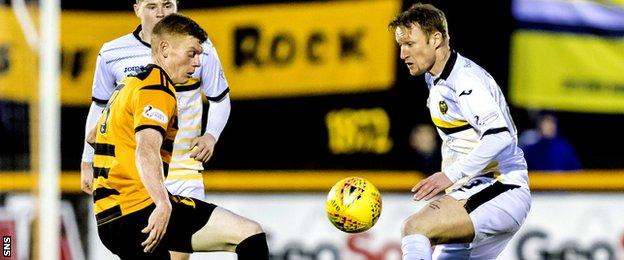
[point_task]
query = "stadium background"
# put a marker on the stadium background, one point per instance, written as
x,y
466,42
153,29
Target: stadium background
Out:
x,y
326,96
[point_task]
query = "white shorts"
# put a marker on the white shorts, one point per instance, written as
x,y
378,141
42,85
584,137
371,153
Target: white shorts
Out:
x,y
187,188
497,211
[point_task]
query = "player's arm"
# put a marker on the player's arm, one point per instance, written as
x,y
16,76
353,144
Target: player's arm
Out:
x,y
150,167
86,165
103,83
153,111
218,115
484,114
491,144
215,88
149,164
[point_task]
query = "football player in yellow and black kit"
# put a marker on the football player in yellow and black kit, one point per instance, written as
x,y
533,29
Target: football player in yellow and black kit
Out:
x,y
137,218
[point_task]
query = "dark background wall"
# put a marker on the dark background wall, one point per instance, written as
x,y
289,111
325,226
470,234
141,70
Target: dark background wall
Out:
x,y
290,133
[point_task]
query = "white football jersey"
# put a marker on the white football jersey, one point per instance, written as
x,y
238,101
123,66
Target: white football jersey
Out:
x,y
466,104
128,55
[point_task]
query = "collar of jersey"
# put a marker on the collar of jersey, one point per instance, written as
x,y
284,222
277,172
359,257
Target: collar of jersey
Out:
x,y
448,67
138,37
165,79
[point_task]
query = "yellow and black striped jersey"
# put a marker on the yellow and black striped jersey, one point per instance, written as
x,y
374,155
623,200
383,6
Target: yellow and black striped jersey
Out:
x,y
146,100
129,54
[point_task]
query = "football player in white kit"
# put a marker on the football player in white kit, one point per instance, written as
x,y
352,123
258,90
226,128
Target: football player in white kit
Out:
x,y
128,55
483,170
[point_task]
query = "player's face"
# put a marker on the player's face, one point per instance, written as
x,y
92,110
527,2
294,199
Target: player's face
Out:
x,y
183,58
417,51
151,11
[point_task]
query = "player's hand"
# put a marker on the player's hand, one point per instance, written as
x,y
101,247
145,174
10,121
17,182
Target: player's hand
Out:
x,y
203,147
86,177
431,186
156,226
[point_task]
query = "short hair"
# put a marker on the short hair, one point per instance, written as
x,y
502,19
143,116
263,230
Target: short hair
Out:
x,y
176,24
427,16
139,1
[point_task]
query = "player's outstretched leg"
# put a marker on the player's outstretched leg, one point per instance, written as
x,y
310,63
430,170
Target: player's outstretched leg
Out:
x,y
442,221
227,231
253,247
179,255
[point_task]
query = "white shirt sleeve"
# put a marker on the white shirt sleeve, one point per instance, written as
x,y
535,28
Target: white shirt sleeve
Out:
x,y
215,87
103,81
479,158
478,106
213,82
94,113
218,114
481,110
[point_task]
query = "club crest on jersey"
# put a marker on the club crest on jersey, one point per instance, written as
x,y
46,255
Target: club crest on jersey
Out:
x,y
154,114
443,107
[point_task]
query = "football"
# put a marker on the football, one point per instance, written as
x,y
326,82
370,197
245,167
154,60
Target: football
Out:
x,y
353,205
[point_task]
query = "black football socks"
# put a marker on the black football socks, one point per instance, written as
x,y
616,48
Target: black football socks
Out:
x,y
253,248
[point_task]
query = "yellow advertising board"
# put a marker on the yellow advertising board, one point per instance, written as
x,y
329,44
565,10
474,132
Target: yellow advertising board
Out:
x,y
273,50
18,63
571,72
319,180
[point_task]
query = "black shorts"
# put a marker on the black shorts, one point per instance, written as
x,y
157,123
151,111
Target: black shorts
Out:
x,y
123,236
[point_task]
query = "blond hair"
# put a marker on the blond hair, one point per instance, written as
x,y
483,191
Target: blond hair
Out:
x,y
428,17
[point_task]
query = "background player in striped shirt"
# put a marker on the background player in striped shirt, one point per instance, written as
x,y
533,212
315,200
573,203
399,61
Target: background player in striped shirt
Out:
x,y
483,170
129,55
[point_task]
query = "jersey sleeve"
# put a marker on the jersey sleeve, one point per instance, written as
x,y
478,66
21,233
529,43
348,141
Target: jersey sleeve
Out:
x,y
213,82
481,110
153,108
103,81
479,107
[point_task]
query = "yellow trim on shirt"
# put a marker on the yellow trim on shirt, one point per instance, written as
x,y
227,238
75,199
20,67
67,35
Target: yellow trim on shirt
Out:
x,y
444,124
189,161
186,140
190,128
185,177
190,116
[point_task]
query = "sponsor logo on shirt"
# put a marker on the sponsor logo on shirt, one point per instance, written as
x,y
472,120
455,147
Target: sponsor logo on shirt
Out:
x,y
488,118
133,70
154,114
466,93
